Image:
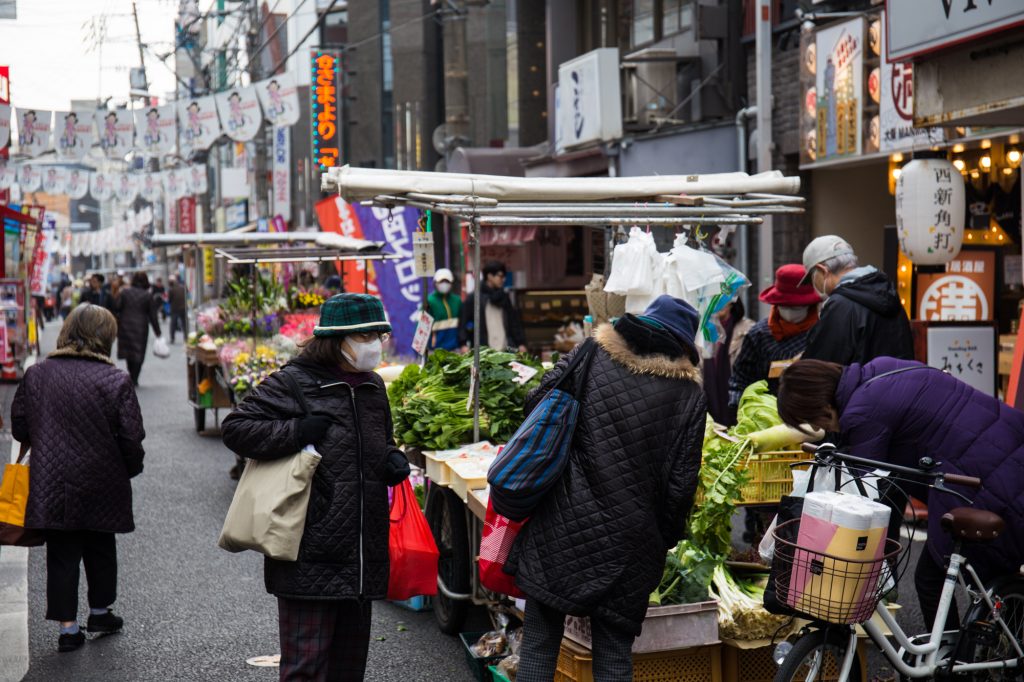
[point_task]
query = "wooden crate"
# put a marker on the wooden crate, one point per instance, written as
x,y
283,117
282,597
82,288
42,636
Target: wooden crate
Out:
x,y
757,665
696,664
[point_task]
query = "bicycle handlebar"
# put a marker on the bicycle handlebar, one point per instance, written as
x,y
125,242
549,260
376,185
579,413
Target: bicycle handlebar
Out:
x,y
828,450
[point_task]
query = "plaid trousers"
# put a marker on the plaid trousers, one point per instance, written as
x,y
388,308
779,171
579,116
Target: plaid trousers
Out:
x,y
323,640
542,640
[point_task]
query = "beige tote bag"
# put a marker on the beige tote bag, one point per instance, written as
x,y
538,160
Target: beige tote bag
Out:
x,y
268,512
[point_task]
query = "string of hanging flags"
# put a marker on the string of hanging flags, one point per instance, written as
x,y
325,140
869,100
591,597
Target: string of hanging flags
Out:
x,y
76,181
188,126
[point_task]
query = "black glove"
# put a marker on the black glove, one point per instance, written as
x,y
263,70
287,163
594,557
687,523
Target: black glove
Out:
x,y
312,428
396,468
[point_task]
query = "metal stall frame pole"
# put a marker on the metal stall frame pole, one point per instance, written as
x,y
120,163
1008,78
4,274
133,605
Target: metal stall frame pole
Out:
x,y
474,232
255,305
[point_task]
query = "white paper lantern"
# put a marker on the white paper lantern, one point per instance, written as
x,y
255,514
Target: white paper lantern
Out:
x,y
930,198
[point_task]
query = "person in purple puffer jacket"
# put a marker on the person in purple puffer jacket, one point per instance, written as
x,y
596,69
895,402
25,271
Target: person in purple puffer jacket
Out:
x,y
899,411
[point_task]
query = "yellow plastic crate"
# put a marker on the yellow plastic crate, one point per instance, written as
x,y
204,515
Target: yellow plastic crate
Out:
x,y
770,477
695,664
757,665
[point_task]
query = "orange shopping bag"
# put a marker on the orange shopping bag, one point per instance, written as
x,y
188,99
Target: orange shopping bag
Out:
x,y
411,548
13,500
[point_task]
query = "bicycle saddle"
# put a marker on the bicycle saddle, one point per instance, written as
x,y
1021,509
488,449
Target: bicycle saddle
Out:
x,y
974,525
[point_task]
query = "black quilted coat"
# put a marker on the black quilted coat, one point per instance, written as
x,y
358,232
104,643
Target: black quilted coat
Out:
x,y
597,543
344,549
136,311
81,417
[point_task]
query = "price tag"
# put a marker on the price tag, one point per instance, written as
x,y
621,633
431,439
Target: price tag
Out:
x,y
422,337
523,372
423,253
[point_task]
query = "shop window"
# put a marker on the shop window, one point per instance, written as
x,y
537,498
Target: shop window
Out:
x,y
643,21
654,20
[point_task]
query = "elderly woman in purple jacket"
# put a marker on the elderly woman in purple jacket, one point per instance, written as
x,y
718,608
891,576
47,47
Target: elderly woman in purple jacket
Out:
x,y
899,411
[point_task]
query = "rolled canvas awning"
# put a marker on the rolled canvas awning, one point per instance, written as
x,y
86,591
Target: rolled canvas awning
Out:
x,y
360,184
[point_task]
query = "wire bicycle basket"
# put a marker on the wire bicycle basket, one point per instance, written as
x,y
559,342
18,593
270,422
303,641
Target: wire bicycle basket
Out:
x,y
827,587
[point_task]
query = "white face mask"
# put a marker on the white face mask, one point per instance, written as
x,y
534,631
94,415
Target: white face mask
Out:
x,y
444,287
793,314
822,294
365,356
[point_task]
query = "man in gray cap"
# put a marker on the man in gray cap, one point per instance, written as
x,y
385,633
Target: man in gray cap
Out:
x,y
862,317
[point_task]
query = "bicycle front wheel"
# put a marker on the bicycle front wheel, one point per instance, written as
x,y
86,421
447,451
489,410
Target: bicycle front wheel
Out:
x,y
817,657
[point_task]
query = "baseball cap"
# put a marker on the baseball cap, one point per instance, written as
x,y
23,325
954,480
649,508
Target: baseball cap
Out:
x,y
822,249
444,275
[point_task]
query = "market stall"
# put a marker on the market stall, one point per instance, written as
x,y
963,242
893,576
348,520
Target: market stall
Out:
x,y
18,334
706,596
257,326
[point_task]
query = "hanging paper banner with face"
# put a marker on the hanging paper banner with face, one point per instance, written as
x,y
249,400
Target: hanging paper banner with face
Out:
x,y
175,183
197,179
101,185
73,137
280,100
5,125
33,131
155,129
199,124
29,177
151,187
77,184
126,187
240,114
8,175
115,129
55,179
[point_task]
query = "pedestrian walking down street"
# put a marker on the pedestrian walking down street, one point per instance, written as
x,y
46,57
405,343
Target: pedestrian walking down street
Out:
x,y
719,367
862,317
899,411
445,307
136,311
177,297
97,293
159,292
596,544
501,327
324,598
778,340
81,418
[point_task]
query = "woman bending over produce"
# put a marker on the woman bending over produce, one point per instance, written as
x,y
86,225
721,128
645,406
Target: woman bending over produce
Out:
x,y
899,411
596,544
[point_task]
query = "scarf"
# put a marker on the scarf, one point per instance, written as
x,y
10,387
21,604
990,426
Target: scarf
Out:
x,y
781,329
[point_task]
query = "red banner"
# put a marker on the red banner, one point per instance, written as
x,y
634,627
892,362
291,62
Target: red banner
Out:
x,y
187,215
336,215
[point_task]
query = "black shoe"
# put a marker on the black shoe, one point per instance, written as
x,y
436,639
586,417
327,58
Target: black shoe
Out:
x,y
69,642
105,624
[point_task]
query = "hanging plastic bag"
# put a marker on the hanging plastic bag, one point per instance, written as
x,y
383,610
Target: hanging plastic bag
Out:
x,y
633,265
411,548
160,348
495,545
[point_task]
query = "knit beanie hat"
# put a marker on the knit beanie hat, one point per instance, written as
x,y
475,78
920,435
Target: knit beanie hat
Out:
x,y
675,316
343,314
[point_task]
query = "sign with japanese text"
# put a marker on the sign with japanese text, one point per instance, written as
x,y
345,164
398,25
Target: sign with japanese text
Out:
x,y
965,292
116,130
73,136
839,85
198,123
896,107
282,177
918,27
422,336
186,209
325,108
78,183
101,185
33,131
240,115
280,100
209,267
966,352
156,129
5,124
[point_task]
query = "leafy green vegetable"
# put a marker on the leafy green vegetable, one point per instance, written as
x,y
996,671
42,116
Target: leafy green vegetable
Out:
x,y
431,407
758,410
686,577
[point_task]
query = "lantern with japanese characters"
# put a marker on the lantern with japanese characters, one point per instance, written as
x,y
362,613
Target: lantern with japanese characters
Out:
x,y
930,211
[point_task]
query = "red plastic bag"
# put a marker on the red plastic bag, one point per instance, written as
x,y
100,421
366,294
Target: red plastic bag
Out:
x,y
499,534
411,548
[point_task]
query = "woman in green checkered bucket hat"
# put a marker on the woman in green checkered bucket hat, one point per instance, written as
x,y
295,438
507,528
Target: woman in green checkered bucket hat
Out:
x,y
343,558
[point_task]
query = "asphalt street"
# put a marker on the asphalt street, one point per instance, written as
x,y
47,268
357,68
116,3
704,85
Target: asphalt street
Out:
x,y
193,611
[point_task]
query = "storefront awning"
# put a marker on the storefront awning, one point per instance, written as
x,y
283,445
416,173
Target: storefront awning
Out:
x,y
508,236
7,213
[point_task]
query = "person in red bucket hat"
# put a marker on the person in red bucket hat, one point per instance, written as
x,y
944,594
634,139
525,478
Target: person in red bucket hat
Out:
x,y
774,343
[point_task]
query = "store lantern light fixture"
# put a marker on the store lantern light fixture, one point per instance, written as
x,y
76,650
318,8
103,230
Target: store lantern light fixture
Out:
x,y
958,148
985,162
930,210
1013,157
959,165
896,172
986,144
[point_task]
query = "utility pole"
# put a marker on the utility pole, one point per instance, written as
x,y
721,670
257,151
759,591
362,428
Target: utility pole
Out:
x,y
456,74
138,41
262,208
763,50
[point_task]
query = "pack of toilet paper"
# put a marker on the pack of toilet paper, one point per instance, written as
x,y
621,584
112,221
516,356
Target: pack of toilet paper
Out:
x,y
837,532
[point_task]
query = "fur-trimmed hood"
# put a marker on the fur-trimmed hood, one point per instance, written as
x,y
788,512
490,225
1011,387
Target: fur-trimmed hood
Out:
x,y
69,352
658,365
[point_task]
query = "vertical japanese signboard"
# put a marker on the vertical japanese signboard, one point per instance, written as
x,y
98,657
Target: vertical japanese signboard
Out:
x,y
282,179
839,85
325,108
5,99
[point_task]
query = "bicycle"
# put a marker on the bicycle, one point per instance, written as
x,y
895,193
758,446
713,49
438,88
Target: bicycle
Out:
x,y
990,636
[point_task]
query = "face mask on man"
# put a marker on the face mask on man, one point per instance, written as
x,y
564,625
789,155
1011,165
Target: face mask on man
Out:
x,y
444,287
365,355
820,292
793,314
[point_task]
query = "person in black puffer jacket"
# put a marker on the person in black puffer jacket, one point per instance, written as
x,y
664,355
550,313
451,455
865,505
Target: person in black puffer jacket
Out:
x,y
324,597
596,544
